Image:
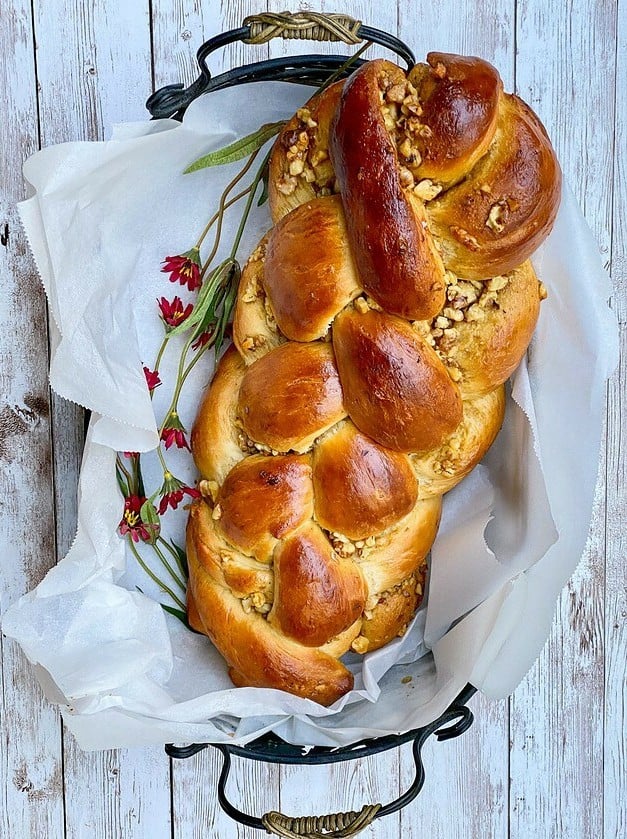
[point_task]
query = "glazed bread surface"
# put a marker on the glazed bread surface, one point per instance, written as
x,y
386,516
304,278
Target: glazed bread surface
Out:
x,y
375,327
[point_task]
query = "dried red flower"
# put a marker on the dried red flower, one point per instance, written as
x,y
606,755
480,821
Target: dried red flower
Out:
x,y
184,268
173,491
173,432
152,378
131,522
202,339
173,313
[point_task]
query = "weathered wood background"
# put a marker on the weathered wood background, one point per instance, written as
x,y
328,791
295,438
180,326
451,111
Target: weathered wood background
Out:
x,y
550,761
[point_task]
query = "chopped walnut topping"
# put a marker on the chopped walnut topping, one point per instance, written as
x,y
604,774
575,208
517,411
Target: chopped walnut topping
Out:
x,y
361,305
258,254
209,489
286,185
296,166
475,313
396,93
360,644
542,291
406,178
217,513
497,216
371,602
318,156
304,115
453,314
249,296
465,238
426,190
343,549
497,283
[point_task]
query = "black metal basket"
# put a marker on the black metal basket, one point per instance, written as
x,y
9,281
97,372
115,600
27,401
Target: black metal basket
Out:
x,y
172,101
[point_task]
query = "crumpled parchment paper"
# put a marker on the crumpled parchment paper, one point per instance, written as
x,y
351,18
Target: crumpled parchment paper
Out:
x,y
102,218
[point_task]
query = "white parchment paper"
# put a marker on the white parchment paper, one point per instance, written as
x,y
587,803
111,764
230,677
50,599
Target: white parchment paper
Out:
x,y
102,218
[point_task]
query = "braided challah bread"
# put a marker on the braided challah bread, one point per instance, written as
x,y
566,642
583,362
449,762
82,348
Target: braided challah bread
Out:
x,y
374,328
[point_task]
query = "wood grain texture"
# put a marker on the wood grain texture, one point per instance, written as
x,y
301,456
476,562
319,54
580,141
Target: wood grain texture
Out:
x,y
31,767
557,787
615,735
91,63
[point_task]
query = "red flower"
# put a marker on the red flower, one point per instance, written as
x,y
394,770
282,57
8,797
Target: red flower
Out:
x,y
202,339
184,268
173,313
132,523
152,378
173,491
173,431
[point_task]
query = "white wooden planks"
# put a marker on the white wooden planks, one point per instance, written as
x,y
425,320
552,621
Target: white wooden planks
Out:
x,y
94,69
31,766
566,766
615,718
565,58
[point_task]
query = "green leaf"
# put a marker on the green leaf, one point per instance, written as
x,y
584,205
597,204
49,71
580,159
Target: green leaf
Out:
x,y
264,192
148,514
237,150
176,612
124,489
206,296
182,557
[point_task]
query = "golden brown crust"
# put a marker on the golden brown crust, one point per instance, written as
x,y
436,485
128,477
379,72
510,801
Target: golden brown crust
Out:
x,y
295,558
290,396
264,499
497,218
214,437
400,550
393,611
318,594
255,332
396,389
360,488
303,147
396,260
459,99
440,469
252,646
309,274
487,351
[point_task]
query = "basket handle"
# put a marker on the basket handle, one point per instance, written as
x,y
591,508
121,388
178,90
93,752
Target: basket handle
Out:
x,y
453,722
305,26
172,100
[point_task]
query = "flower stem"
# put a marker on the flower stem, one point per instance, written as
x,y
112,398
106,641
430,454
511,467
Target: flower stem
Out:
x,y
249,202
198,354
214,217
164,344
175,555
154,577
222,207
161,457
169,568
125,472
